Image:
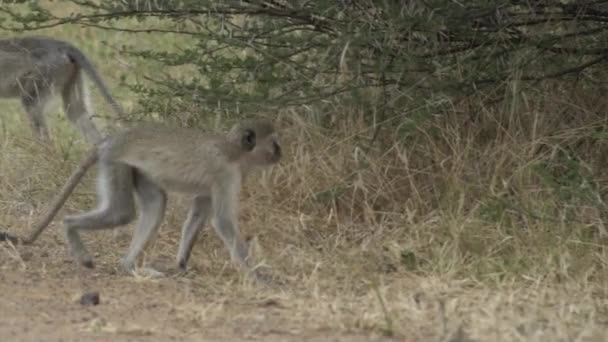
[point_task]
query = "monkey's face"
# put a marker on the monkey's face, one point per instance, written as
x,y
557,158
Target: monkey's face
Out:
x,y
259,142
267,150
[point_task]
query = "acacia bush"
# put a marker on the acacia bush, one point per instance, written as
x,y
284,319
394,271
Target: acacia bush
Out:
x,y
384,57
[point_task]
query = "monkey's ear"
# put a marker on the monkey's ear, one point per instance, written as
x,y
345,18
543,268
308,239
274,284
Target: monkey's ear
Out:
x,y
248,140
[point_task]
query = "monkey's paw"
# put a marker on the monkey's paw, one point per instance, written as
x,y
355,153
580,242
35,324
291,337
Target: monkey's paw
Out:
x,y
143,272
147,272
83,258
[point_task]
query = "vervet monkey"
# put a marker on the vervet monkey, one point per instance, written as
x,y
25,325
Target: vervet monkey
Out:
x,y
149,160
35,68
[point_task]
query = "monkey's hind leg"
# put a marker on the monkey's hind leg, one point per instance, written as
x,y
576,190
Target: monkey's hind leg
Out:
x,y
77,106
116,208
152,200
34,105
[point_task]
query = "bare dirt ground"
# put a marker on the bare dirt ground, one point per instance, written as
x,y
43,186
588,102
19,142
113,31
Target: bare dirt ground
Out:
x,y
40,290
36,308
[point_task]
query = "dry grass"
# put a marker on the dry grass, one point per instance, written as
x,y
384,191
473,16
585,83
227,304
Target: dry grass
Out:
x,y
482,228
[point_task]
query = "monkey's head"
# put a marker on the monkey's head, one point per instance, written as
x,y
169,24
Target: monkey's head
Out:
x,y
259,140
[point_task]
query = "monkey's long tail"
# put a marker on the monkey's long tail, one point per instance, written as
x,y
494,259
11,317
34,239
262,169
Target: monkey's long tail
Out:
x,y
58,202
90,70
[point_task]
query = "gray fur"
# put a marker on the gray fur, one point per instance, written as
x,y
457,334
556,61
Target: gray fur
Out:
x,y
150,160
34,69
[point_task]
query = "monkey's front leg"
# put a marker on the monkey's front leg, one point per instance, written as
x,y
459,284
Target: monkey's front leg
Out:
x,y
227,229
197,216
153,201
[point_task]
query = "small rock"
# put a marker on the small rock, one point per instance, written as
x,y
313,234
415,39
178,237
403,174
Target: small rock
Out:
x,y
26,256
90,298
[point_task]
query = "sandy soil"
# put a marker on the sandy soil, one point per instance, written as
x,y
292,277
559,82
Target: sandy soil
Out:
x,y
39,301
329,296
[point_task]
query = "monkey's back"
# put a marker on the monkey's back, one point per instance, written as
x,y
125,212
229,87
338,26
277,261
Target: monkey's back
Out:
x,y
180,159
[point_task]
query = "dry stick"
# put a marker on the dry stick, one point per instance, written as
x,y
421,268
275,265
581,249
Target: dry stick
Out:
x,y
58,202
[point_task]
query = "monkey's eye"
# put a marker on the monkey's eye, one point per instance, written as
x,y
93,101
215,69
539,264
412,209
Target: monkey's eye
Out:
x,y
248,140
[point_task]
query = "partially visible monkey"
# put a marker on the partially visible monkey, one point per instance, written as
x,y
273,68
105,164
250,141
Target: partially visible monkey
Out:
x,y
149,160
35,68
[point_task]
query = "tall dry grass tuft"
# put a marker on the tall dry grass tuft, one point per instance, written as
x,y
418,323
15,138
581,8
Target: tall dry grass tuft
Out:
x,y
506,199
503,192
